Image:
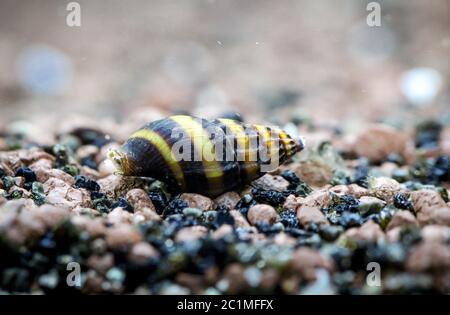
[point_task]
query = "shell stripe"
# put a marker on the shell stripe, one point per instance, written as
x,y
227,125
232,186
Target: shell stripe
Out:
x,y
249,165
164,149
284,138
212,168
268,139
238,133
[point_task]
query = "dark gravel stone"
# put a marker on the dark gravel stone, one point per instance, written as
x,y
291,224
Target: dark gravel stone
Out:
x,y
244,204
401,201
175,206
88,184
289,218
37,193
122,203
89,162
344,203
361,172
91,136
350,219
296,186
28,174
159,200
330,232
272,197
291,177
223,217
427,134
269,229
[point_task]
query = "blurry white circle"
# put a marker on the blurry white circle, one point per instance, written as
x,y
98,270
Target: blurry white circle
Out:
x,y
44,70
420,85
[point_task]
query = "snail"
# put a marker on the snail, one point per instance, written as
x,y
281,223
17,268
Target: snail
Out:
x,y
210,157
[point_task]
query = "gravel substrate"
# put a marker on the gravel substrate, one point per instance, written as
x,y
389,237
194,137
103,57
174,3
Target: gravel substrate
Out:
x,y
312,226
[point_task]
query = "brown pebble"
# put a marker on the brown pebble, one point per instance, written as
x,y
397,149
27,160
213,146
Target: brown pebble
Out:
x,y
11,161
383,187
401,218
51,215
306,260
445,140
44,174
139,199
369,231
234,277
270,182
308,215
387,168
95,227
41,164
194,282
148,214
8,171
106,168
352,189
86,151
430,208
66,196
424,199
228,199
315,173
18,222
435,233
269,279
89,172
292,202
319,198
378,141
393,235
239,220
283,239
222,231
141,252
198,201
262,213
429,256
101,263
93,284
119,215
19,181
191,233
116,185
122,235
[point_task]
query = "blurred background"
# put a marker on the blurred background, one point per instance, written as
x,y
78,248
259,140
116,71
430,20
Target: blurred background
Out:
x,y
275,61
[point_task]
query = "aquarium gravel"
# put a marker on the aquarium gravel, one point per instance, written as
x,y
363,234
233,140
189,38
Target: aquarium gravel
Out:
x,y
332,212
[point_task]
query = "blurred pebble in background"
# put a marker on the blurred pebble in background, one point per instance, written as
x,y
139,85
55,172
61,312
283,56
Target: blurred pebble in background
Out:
x,y
44,70
420,85
371,44
188,64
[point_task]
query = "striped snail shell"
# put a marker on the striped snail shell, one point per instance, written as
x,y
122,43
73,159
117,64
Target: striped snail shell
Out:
x,y
205,156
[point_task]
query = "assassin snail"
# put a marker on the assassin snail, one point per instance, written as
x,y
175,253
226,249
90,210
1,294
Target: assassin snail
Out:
x,y
205,156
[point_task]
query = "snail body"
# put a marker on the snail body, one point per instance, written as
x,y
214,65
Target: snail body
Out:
x,y
204,156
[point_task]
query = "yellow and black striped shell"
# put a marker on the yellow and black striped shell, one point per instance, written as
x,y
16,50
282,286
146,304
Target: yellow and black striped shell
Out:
x,y
205,156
